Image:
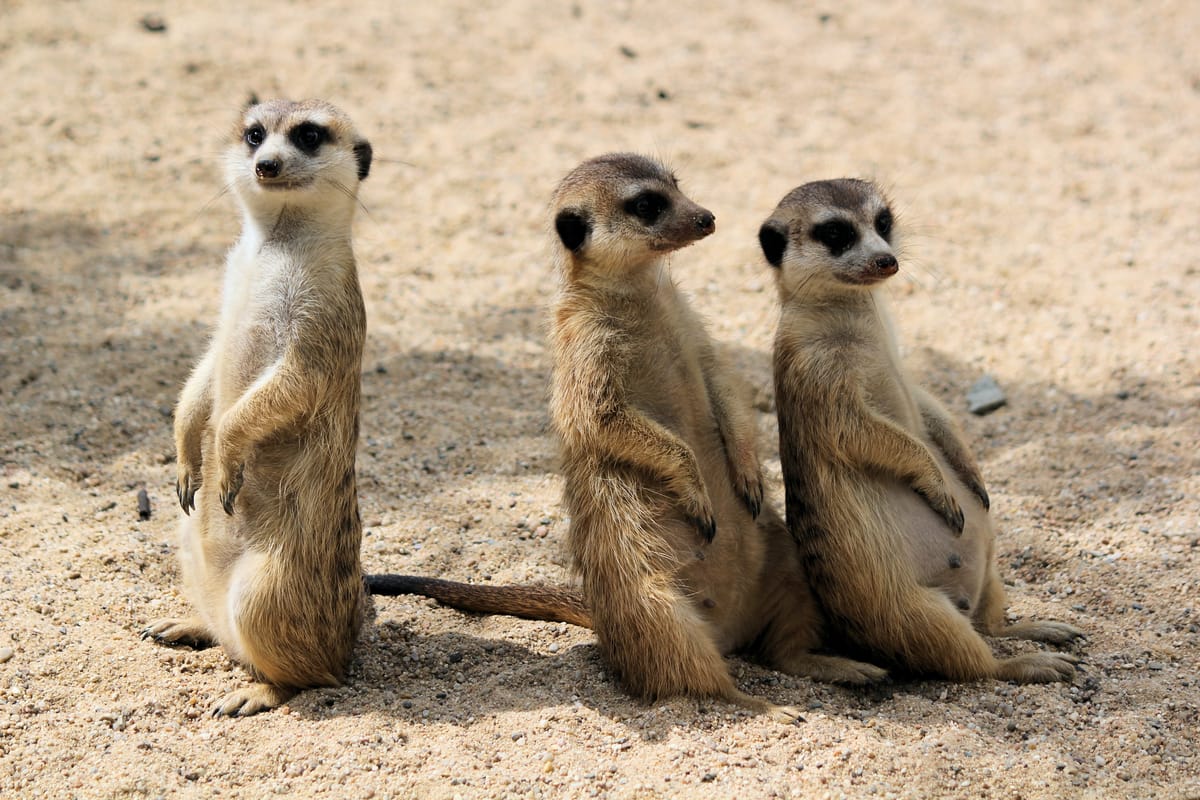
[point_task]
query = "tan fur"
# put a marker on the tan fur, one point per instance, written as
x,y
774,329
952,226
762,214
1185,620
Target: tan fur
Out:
x,y
267,424
882,493
546,603
659,454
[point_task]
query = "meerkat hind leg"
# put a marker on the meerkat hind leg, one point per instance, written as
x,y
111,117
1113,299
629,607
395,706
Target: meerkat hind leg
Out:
x,y
1049,631
832,669
1037,668
992,622
189,632
785,714
252,700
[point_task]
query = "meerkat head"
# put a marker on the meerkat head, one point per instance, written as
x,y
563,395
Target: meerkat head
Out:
x,y
295,154
621,211
830,236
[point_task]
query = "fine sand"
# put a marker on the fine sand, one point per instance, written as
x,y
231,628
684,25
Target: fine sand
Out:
x,y
1044,160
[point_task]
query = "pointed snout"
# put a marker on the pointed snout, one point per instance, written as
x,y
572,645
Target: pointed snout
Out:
x,y
884,264
267,168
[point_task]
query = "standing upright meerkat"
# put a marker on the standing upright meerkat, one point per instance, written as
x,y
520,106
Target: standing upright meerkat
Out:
x,y
267,425
662,478
883,495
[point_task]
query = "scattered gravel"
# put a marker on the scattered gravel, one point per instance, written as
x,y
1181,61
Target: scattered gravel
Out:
x,y
1046,185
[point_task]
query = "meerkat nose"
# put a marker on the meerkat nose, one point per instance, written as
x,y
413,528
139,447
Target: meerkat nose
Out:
x,y
705,221
267,168
884,262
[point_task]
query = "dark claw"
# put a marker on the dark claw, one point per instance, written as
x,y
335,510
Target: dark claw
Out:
x,y
182,641
954,518
949,512
982,494
187,496
753,499
707,528
755,505
235,486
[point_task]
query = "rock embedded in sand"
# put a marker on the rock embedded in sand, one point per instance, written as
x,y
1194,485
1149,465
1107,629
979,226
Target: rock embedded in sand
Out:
x,y
985,396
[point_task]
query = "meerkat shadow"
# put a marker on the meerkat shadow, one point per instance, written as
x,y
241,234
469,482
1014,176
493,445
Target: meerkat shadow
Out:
x,y
458,678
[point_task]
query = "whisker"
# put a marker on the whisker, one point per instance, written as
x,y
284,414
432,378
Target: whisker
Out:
x,y
204,209
346,190
795,292
376,160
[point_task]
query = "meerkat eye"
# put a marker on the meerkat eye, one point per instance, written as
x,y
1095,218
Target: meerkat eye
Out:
x,y
883,223
254,135
308,136
837,235
647,206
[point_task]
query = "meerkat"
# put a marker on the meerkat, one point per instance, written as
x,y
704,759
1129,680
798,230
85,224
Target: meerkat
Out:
x,y
267,424
680,559
883,495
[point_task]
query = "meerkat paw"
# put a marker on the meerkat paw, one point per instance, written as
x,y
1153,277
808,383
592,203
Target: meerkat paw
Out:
x,y
229,483
189,632
251,700
1046,631
187,483
1038,668
975,484
945,506
788,715
747,477
749,486
704,522
855,673
699,510
833,669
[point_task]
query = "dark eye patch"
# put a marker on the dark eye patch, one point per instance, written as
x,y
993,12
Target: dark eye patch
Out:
x,y
838,235
647,206
883,224
254,136
308,136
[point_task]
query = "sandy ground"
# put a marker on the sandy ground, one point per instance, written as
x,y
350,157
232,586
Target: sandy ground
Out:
x,y
1045,159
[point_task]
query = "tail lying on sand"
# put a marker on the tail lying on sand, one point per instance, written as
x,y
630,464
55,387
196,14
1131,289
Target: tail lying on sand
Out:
x,y
546,603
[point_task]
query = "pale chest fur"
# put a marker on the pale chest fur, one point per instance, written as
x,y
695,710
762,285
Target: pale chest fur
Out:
x,y
263,285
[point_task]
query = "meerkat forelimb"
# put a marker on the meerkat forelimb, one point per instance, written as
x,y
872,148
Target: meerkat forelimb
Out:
x,y
267,424
883,495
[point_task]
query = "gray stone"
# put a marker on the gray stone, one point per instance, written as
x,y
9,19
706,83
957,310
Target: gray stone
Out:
x,y
985,396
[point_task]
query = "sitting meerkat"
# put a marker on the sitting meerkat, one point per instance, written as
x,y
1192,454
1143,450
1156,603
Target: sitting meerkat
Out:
x,y
267,425
883,495
680,559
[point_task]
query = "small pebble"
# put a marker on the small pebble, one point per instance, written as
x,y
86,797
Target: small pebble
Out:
x,y
985,396
6,654
154,24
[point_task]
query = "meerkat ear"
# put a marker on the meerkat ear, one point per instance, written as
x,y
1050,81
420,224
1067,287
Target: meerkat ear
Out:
x,y
772,236
573,228
362,154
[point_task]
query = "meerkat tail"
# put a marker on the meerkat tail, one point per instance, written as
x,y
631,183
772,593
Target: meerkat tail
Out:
x,y
544,603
